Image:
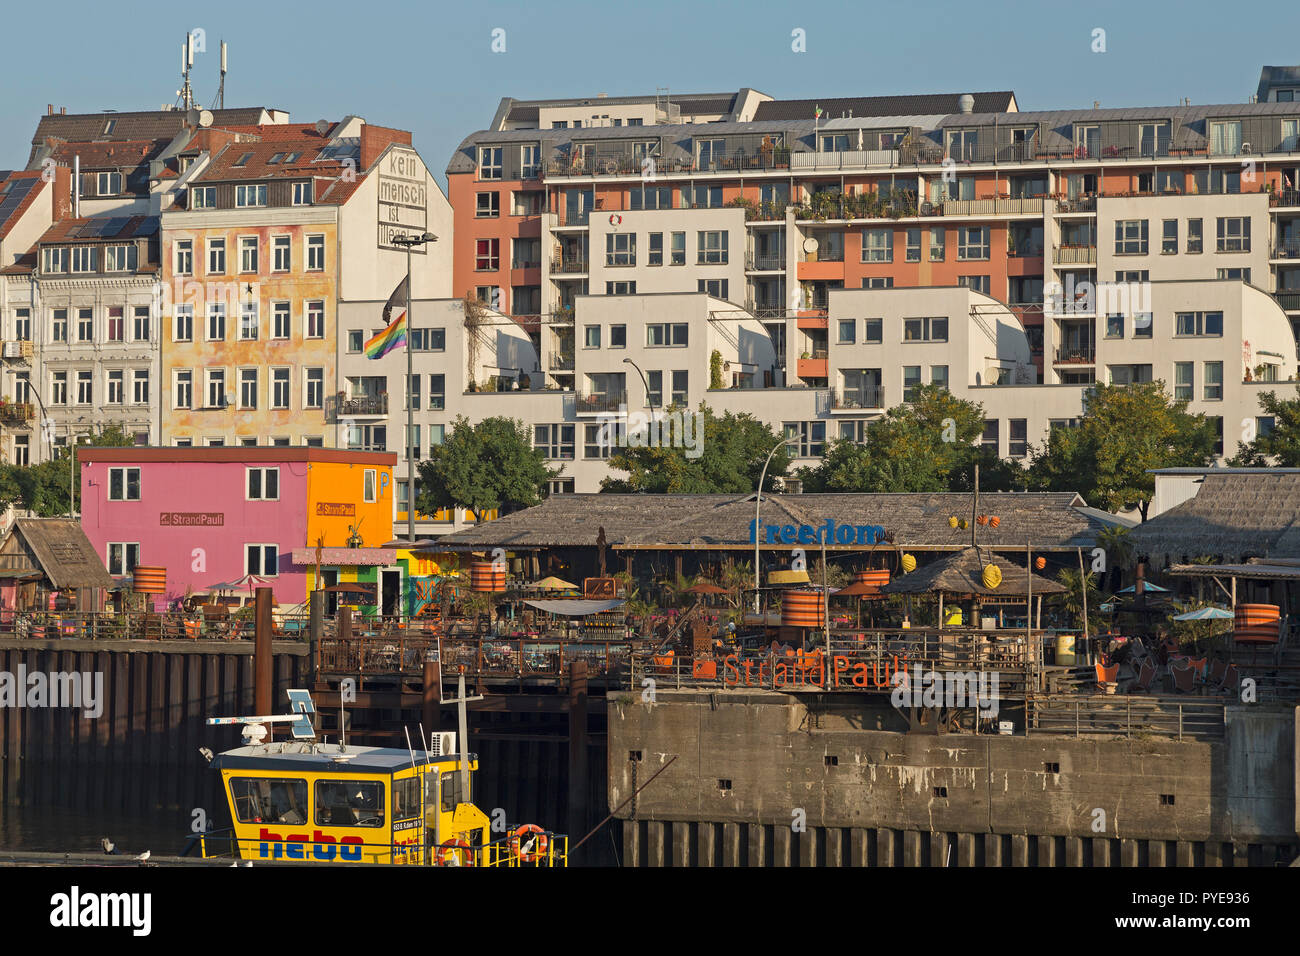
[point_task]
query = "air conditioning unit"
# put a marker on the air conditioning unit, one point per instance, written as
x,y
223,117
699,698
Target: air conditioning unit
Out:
x,y
440,745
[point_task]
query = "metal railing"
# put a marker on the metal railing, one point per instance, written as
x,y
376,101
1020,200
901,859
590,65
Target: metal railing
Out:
x,y
1074,255
218,623
608,402
1287,249
1284,197
16,412
764,263
858,398
18,349
561,362
1290,301
1125,715
363,404
1074,355
992,207
570,264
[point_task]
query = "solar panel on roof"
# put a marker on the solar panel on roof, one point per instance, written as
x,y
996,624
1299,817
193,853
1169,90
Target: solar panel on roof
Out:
x,y
112,227
13,197
147,228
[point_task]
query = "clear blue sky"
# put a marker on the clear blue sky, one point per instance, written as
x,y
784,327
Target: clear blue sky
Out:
x,y
430,68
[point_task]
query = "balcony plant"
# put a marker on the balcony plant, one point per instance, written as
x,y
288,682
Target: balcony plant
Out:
x,y
715,370
750,207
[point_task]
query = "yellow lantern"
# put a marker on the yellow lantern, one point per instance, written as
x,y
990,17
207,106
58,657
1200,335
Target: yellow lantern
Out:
x,y
909,563
952,521
992,576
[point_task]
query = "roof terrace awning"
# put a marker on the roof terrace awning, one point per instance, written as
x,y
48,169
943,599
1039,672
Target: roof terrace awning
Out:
x,y
575,608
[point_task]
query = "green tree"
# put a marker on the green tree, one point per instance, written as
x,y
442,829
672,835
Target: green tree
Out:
x,y
1125,431
727,458
923,445
483,467
1281,446
43,489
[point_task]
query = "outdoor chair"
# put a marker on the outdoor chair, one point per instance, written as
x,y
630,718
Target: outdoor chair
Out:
x,y
1107,675
1231,676
1217,671
1146,675
1184,677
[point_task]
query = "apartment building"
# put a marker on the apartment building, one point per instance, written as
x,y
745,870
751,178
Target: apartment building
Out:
x,y
272,230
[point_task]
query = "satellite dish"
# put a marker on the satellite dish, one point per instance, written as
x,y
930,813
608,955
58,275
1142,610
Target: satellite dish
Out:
x,y
205,118
810,244
191,117
322,126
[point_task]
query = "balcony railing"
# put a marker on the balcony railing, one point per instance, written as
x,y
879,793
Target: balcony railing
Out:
x,y
1285,197
846,159
1285,249
1025,252
15,412
1079,204
601,402
18,349
764,263
1290,301
992,207
1075,355
561,362
571,264
1075,255
871,397
363,404
823,255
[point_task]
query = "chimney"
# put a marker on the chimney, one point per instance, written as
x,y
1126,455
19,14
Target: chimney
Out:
x,y
76,186
63,111
49,109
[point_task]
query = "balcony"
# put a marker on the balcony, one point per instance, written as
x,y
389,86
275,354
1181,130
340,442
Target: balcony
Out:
x,y
1284,197
845,159
764,262
814,367
858,399
561,362
15,413
600,402
1285,249
18,349
569,264
992,207
1075,255
362,405
1075,355
1290,301
1080,204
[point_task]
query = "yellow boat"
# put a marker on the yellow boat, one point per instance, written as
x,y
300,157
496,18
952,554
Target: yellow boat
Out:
x,y
300,800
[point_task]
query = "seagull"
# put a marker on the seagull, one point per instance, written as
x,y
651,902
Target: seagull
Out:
x,y
109,847
143,857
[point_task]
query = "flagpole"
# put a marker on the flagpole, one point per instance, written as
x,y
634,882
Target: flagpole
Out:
x,y
410,406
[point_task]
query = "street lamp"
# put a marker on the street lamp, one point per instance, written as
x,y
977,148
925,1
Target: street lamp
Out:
x,y
410,242
628,361
758,502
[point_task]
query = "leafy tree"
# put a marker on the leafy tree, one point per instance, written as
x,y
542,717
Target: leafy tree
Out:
x,y
924,445
727,459
483,467
43,489
1281,446
1125,431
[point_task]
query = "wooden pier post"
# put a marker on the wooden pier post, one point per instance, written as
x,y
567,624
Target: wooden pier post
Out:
x,y
262,652
577,821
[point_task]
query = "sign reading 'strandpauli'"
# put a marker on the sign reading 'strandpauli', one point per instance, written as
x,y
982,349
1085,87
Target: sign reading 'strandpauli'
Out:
x,y
828,533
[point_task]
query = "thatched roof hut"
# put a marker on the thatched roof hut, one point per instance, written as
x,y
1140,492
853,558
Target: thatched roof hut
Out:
x,y
43,555
963,573
1233,517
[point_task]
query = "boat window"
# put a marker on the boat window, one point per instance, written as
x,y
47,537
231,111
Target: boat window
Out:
x,y
406,798
349,803
451,792
269,800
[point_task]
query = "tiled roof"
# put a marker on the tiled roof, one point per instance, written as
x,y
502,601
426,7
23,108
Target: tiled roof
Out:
x,y
100,229
17,193
134,125
302,139
915,104
114,155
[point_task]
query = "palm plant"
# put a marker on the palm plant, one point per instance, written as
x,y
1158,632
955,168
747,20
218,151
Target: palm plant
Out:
x,y
1072,601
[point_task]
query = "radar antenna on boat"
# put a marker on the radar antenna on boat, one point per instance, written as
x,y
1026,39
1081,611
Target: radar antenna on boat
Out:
x,y
255,729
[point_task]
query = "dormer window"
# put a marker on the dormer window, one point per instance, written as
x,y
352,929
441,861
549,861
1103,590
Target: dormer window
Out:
x,y
302,194
56,260
184,163
250,195
108,184
84,258
243,160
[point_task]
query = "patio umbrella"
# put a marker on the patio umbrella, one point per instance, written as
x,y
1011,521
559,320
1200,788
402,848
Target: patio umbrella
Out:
x,y
705,588
352,587
1206,614
1151,588
553,584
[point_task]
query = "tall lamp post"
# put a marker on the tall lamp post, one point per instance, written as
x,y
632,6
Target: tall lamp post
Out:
x,y
410,242
628,361
758,503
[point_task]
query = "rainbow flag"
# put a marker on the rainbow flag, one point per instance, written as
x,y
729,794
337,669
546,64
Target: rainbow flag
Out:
x,y
393,337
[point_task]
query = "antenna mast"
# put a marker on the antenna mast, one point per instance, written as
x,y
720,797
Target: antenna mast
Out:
x,y
186,93
221,89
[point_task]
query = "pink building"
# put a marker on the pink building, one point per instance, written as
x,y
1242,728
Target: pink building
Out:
x,y
211,515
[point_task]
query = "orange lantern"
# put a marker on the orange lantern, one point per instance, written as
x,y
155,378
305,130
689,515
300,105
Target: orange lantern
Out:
x,y
994,521
1040,563
982,520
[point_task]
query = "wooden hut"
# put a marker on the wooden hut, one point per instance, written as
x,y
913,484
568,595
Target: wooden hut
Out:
x,y
45,559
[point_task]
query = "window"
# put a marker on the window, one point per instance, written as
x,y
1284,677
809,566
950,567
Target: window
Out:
x,y
56,260
847,331
1198,323
1184,388
650,197
668,334
1169,238
253,194
203,197
714,287
85,325
925,330
489,162
429,340
120,258
978,283
356,340
315,253
413,394
990,437
123,557
620,288
678,249
264,561
302,194
1018,438
873,331
1131,237
705,197
810,437
597,440
487,255
591,337
116,325
877,245
216,388
914,245
1242,274
281,248
936,244
911,379
140,326
140,386
59,388
487,205
709,151
1193,235
973,242
279,388
23,325
618,336
656,255
1225,138
437,392
124,484
248,320
314,382
527,203
680,389
248,388
556,442
1233,234
183,324
108,184
1213,382
263,484
281,321
182,388
712,248
216,256
84,258
216,321
878,282
314,319
620,249
116,386
1115,326
59,325
85,387
530,162
654,395
961,143
368,486
939,375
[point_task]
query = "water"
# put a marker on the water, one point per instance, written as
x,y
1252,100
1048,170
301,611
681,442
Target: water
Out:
x,y
61,830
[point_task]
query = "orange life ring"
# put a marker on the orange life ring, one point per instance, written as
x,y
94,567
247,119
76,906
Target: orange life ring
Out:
x,y
532,850
452,850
